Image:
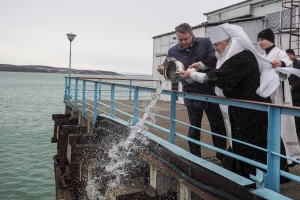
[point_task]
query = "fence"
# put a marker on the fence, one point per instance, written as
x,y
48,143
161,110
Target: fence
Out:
x,y
103,95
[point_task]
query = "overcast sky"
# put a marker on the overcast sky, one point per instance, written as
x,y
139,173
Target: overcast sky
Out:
x,y
112,35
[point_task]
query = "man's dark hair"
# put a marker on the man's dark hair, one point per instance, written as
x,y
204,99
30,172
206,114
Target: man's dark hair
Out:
x,y
184,28
291,51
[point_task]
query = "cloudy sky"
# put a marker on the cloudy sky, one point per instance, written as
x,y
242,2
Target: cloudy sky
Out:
x,y
112,35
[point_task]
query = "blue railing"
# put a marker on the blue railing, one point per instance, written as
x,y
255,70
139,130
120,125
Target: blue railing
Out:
x,y
91,93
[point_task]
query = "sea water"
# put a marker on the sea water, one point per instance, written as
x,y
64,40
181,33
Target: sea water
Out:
x,y
27,102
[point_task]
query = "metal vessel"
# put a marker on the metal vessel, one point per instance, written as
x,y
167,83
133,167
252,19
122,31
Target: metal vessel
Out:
x,y
172,71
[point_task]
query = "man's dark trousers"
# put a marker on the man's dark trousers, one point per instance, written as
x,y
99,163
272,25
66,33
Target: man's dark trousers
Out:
x,y
297,119
216,121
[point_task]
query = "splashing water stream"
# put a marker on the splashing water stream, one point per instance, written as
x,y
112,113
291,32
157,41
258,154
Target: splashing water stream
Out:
x,y
119,153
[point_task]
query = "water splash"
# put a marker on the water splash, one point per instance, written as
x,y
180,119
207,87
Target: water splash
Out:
x,y
120,153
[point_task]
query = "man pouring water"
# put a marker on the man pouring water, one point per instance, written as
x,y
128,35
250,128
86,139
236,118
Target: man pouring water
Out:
x,y
192,49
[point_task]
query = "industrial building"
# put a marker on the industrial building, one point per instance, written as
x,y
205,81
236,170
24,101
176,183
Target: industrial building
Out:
x,y
253,15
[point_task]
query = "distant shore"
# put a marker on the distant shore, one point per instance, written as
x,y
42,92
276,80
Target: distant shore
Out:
x,y
47,69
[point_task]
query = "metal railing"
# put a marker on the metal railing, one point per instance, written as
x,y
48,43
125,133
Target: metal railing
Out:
x,y
107,93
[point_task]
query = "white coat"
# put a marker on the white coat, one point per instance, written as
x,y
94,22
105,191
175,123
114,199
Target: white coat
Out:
x,y
282,96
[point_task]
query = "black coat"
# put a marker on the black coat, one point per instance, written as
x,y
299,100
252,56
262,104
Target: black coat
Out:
x,y
239,78
295,82
201,50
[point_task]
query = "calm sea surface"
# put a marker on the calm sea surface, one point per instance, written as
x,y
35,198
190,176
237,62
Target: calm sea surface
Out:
x,y
27,102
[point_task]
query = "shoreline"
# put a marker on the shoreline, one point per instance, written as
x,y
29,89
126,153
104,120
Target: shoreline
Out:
x,y
47,69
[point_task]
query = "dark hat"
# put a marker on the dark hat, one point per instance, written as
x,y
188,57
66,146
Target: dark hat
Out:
x,y
267,34
291,51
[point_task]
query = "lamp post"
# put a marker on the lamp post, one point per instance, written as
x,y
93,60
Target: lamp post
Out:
x,y
71,37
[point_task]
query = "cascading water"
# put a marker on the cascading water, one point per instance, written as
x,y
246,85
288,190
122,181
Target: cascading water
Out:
x,y
120,152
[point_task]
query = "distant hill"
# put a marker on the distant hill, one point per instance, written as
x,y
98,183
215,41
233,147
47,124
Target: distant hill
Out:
x,y
47,69
134,74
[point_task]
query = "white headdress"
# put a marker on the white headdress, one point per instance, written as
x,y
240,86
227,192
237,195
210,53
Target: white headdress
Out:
x,y
218,34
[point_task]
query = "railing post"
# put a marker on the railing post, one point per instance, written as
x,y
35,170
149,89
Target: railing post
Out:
x,y
69,91
83,98
99,89
136,105
273,161
76,94
130,83
66,88
95,101
172,117
112,100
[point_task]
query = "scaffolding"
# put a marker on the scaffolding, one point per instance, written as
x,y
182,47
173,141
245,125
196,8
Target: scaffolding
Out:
x,y
290,25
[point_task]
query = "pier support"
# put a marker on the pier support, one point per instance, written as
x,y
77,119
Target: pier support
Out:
x,y
158,170
184,192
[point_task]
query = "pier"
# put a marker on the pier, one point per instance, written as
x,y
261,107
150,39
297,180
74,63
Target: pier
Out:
x,y
95,120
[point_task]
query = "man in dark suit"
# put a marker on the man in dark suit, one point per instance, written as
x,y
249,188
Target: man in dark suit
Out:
x,y
191,49
295,87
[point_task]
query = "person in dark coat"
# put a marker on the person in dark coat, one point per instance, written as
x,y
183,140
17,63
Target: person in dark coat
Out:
x,y
237,75
192,49
294,82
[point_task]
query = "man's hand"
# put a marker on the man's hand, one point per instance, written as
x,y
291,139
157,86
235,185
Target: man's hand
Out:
x,y
185,74
276,63
160,69
196,65
291,87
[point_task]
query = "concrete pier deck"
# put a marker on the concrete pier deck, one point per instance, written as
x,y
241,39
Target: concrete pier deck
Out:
x,y
163,108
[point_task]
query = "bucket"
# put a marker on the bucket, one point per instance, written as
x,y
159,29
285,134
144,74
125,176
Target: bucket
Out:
x,y
172,71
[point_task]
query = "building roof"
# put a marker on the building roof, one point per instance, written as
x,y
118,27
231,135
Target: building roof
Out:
x,y
227,7
206,24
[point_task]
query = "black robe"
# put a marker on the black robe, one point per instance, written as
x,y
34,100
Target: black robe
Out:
x,y
239,77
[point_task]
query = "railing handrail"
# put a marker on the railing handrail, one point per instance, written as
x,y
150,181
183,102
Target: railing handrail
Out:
x,y
121,79
274,112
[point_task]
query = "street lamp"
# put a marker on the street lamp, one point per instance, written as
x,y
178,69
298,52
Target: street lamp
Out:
x,y
71,37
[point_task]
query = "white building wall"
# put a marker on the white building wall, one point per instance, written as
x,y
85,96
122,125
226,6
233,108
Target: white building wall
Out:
x,y
231,13
254,8
257,8
265,7
199,32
